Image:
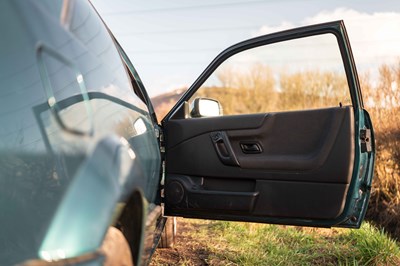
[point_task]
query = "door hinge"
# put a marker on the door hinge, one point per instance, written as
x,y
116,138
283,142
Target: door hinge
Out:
x,y
365,137
160,137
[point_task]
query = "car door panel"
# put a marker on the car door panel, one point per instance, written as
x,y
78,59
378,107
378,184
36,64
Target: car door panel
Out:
x,y
298,140
305,163
307,167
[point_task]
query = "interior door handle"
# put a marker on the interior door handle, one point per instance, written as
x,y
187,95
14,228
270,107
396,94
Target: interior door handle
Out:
x,y
223,148
251,147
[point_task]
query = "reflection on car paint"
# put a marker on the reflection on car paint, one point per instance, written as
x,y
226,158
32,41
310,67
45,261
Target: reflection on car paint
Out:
x,y
47,165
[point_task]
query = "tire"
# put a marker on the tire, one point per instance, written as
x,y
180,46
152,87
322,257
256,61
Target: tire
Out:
x,y
169,234
116,249
130,223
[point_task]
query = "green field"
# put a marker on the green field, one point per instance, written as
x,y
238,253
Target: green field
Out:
x,y
235,243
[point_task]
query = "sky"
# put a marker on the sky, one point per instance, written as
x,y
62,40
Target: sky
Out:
x,y
171,42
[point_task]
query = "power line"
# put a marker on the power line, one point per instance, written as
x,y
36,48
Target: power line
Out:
x,y
245,27
168,9
160,63
214,29
220,49
161,51
189,30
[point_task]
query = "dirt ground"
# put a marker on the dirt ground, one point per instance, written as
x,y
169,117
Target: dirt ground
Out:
x,y
186,251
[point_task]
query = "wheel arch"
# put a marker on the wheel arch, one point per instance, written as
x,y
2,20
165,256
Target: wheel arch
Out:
x,y
131,222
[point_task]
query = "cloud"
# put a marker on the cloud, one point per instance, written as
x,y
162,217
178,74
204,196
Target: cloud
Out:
x,y
374,37
271,29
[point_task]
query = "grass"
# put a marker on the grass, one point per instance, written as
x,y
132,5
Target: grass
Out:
x,y
234,243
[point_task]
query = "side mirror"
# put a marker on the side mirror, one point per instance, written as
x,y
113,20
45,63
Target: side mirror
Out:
x,y
204,107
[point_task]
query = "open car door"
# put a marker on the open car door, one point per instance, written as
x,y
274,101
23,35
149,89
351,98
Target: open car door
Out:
x,y
294,145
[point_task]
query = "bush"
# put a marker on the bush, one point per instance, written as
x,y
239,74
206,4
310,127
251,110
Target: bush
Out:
x,y
383,103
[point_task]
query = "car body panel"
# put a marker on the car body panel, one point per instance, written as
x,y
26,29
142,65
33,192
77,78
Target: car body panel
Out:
x,y
76,140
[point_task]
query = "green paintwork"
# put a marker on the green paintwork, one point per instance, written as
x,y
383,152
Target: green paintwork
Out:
x,y
75,139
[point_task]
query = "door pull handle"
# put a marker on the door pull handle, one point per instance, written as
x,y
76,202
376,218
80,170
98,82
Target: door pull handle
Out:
x,y
223,148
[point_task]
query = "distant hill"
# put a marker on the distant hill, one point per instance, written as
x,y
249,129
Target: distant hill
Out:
x,y
164,102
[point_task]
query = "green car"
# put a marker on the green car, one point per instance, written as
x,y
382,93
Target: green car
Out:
x,y
88,176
